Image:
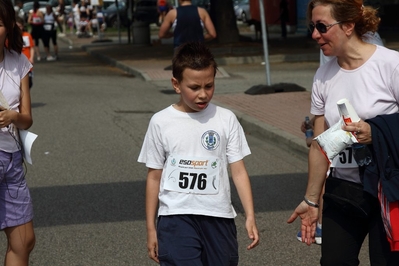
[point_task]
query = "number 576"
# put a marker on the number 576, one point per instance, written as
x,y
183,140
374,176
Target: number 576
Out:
x,y
198,180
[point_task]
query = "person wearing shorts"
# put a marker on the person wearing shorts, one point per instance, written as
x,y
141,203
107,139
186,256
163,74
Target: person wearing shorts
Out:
x,y
36,20
188,179
50,33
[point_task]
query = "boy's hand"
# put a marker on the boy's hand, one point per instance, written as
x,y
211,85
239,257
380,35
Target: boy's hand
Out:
x,y
152,246
252,233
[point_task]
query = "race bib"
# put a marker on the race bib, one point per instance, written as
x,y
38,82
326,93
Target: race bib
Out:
x,y
192,174
344,159
36,20
26,41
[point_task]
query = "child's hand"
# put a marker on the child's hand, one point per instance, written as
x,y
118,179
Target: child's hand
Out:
x,y
5,117
152,246
252,233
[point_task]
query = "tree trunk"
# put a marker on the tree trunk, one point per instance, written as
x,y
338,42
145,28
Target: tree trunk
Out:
x,y
224,19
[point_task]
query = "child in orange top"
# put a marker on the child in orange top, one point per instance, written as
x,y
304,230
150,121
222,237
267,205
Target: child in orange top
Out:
x,y
28,47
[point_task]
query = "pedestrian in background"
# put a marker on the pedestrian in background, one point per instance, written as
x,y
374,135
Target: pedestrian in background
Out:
x,y
187,23
284,16
367,75
50,33
163,8
27,48
18,6
187,177
76,16
36,20
16,207
60,13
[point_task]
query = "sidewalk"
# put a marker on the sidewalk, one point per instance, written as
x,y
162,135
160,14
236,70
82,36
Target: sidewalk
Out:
x,y
275,116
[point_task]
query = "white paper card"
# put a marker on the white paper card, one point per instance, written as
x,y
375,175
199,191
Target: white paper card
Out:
x,y
27,139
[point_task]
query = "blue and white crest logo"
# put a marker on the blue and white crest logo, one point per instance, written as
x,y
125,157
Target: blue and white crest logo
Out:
x,y
210,140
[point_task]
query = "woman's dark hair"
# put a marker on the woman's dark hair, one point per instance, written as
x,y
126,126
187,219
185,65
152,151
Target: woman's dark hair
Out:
x,y
36,6
352,11
14,34
192,55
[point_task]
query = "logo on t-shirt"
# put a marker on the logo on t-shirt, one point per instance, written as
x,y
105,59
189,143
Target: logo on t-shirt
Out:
x,y
210,140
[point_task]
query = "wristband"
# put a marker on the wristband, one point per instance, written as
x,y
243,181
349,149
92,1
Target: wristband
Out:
x,y
310,203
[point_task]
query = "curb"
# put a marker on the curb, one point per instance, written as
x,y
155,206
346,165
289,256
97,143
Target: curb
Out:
x,y
251,126
261,130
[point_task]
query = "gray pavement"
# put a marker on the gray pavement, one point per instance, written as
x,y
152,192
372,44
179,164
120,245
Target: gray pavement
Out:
x,y
91,118
274,116
240,67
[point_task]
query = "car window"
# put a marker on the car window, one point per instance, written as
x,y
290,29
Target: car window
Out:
x,y
29,5
55,3
121,5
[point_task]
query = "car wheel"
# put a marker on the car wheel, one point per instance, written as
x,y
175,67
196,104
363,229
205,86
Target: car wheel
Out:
x,y
243,17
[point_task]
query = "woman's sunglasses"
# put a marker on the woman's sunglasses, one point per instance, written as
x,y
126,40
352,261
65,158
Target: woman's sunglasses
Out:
x,y
322,28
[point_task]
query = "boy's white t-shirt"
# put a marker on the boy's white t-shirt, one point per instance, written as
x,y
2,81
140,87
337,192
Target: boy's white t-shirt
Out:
x,y
372,89
212,133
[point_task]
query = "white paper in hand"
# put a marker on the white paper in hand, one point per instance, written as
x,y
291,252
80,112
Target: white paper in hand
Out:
x,y
27,139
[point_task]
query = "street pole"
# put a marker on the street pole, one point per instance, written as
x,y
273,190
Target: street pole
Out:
x,y
264,38
119,20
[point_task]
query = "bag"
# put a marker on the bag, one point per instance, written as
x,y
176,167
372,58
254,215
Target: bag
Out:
x,y
347,196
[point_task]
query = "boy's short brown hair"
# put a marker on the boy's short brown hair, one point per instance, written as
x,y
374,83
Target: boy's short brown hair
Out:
x,y
193,55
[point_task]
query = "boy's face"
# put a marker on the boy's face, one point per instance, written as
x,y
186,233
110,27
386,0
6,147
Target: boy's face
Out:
x,y
196,89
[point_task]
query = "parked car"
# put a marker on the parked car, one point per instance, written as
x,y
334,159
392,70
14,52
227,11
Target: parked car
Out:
x,y
111,14
27,7
202,3
241,9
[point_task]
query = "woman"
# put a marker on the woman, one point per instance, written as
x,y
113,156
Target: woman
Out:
x,y
16,210
36,20
50,33
367,75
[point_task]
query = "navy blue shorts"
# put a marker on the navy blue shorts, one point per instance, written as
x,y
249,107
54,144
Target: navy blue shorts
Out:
x,y
195,240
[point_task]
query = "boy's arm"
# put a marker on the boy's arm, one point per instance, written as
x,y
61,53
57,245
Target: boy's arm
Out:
x,y
151,201
32,54
243,185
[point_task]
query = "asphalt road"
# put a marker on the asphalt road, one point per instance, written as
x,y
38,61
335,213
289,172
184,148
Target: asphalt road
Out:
x,y
88,189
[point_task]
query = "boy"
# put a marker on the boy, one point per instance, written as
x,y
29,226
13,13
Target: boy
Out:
x,y
28,47
187,148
